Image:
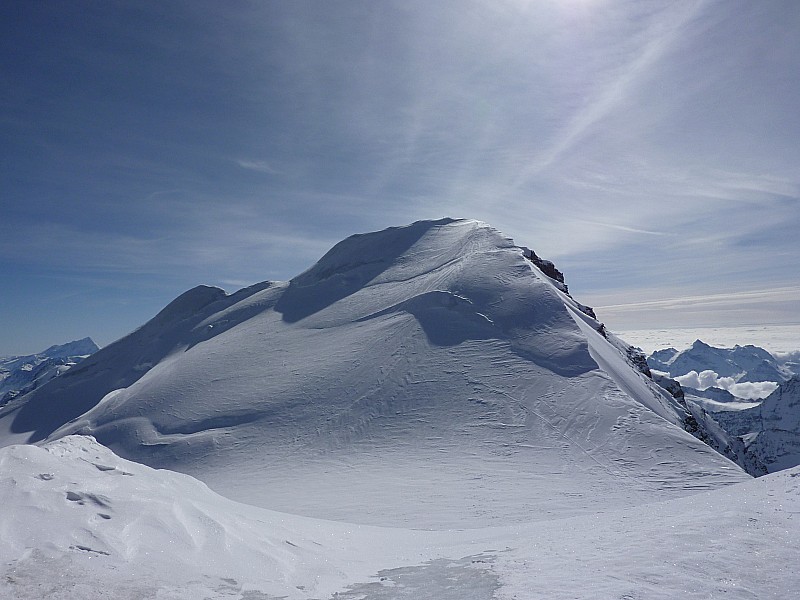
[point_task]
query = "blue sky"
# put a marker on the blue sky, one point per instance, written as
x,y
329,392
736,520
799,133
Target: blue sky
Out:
x,y
649,148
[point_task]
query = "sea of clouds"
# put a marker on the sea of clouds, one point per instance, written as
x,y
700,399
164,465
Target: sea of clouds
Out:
x,y
748,390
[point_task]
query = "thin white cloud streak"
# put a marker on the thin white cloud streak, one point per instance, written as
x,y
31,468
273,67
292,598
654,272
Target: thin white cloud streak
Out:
x,y
257,165
780,340
642,177
740,185
215,246
736,308
785,294
661,36
628,229
712,184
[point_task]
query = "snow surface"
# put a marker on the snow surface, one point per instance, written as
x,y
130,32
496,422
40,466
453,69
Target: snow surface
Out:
x,y
422,414
80,523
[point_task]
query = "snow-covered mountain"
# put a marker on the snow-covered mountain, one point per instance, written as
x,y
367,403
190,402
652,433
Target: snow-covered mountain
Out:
x,y
429,357
743,363
777,440
761,436
429,377
765,436
21,374
790,362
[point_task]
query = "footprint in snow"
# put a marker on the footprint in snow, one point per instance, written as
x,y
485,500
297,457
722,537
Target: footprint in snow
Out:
x,y
83,497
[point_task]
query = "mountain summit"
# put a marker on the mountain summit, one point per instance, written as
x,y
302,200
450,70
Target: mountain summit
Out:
x,y
429,376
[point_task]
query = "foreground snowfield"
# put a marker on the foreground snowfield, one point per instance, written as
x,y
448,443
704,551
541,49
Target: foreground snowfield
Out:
x,y
422,414
79,522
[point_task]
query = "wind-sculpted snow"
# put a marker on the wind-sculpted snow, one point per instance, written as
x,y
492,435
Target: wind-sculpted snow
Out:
x,y
80,523
424,376
351,265
446,318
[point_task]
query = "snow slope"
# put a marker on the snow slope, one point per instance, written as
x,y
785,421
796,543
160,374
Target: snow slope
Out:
x,y
79,523
427,376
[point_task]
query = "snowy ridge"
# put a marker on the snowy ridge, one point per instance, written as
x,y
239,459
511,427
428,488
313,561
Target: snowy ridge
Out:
x,y
124,362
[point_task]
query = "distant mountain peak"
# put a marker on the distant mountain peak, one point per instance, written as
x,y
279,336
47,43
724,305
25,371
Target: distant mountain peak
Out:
x,y
762,436
743,363
83,346
22,374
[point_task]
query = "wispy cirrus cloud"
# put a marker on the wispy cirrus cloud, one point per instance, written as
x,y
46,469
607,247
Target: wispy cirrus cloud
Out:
x,y
744,307
616,84
646,146
257,165
216,247
713,301
625,229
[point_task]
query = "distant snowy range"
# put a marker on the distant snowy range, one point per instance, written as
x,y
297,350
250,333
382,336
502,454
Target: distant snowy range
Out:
x,y
425,413
22,374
